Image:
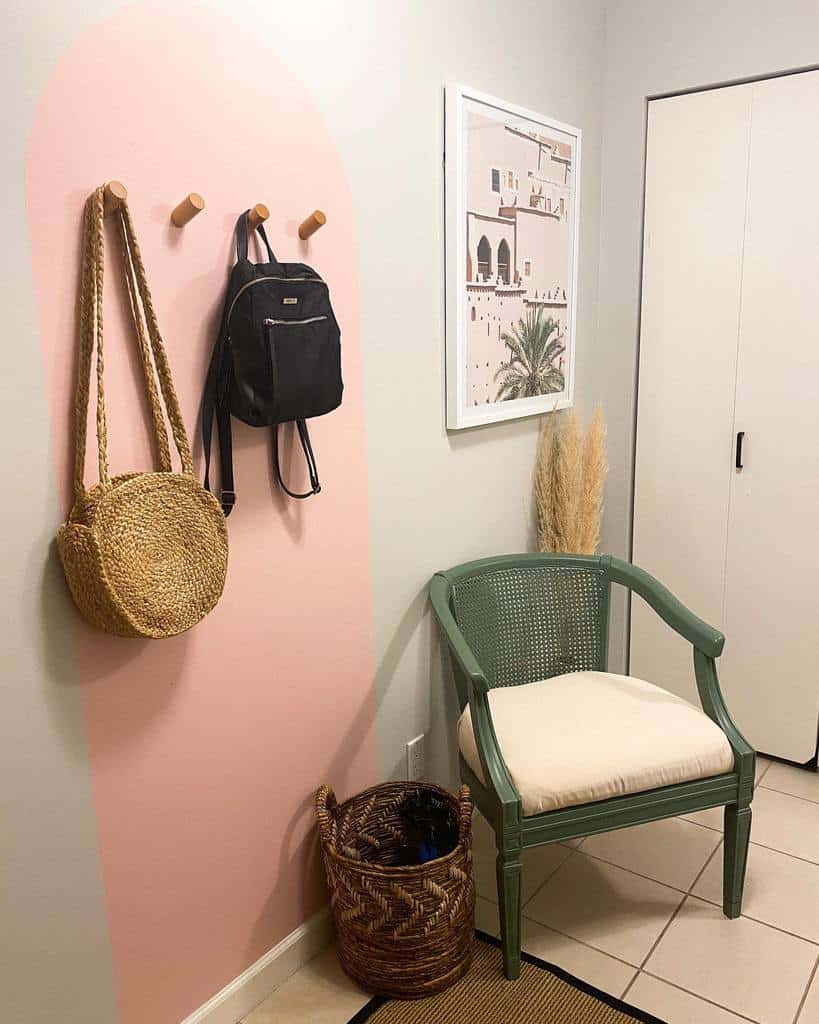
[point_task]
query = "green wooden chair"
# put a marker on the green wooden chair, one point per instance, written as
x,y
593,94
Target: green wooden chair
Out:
x,y
553,759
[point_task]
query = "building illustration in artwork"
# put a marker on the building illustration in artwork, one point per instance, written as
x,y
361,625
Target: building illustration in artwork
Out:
x,y
519,202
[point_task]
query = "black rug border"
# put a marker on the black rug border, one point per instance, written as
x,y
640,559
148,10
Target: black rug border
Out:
x,y
643,1016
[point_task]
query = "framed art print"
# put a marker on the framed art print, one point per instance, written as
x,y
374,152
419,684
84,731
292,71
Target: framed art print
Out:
x,y
512,215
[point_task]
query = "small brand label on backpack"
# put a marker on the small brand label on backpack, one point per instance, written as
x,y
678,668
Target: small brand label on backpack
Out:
x,y
289,302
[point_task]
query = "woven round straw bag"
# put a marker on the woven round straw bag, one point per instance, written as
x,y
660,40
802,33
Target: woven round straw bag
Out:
x,y
402,931
144,554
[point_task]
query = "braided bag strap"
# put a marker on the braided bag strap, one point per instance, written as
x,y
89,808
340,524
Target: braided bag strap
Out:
x,y
160,358
91,323
152,350
160,434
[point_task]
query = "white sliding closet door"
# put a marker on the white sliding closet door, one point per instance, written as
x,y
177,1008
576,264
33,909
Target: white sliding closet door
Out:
x,y
697,164
730,342
770,669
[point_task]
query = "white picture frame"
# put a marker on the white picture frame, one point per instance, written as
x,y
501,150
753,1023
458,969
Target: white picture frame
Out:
x,y
535,226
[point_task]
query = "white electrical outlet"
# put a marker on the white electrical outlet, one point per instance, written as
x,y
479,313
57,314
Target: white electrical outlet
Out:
x,y
415,759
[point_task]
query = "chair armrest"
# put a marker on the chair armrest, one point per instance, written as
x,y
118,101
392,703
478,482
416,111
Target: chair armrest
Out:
x,y
496,774
670,609
713,704
439,590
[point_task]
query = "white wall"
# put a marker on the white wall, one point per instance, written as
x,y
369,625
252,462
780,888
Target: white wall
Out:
x,y
655,47
55,960
437,499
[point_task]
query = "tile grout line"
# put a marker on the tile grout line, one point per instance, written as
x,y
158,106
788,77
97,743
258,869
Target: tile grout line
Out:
x,y
679,907
790,796
699,824
630,871
784,853
666,926
674,888
804,998
690,890
784,792
572,851
685,894
696,995
765,924
668,885
628,987
773,849
758,920
525,903
720,845
582,942
637,874
649,878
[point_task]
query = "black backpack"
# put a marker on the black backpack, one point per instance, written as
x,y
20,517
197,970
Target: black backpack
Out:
x,y
277,358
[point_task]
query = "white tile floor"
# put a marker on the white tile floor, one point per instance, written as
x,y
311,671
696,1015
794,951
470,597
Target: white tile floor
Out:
x,y
638,914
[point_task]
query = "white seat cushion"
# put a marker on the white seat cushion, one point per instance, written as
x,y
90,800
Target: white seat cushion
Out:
x,y
587,736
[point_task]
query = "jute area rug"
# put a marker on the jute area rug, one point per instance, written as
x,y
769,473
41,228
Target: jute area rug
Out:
x,y
544,994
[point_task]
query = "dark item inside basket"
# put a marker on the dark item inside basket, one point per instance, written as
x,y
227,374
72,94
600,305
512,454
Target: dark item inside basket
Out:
x,y
430,827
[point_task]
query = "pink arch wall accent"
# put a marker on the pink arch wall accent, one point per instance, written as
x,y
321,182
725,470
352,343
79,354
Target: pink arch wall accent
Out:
x,y
205,749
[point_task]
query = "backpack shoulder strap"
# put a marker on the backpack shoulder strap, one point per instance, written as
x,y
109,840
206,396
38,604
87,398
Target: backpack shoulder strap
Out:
x,y
307,448
215,403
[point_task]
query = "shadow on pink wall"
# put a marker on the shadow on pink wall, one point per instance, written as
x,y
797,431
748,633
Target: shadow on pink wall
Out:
x,y
205,749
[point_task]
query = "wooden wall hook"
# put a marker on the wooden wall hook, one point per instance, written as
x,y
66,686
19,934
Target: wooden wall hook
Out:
x,y
311,225
258,214
114,194
192,204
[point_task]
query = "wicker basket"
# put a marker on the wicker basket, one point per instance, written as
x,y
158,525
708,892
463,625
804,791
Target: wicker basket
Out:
x,y
405,932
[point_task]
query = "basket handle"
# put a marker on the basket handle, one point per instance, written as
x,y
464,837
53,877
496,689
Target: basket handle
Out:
x,y
326,805
464,813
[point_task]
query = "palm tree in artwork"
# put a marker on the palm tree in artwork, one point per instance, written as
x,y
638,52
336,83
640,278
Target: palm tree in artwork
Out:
x,y
535,343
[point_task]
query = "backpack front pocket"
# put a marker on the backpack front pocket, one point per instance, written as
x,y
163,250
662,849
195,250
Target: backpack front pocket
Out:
x,y
305,366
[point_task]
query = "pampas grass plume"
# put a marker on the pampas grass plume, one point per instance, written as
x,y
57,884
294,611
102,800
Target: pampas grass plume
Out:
x,y
544,471
591,494
569,480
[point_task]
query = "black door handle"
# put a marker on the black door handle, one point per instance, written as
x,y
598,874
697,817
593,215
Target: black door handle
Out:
x,y
740,438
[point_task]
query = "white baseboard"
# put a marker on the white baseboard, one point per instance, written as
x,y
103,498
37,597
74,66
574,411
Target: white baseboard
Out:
x,y
244,993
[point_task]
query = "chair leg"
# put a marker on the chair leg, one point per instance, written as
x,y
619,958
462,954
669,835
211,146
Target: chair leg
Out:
x,y
737,835
509,871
